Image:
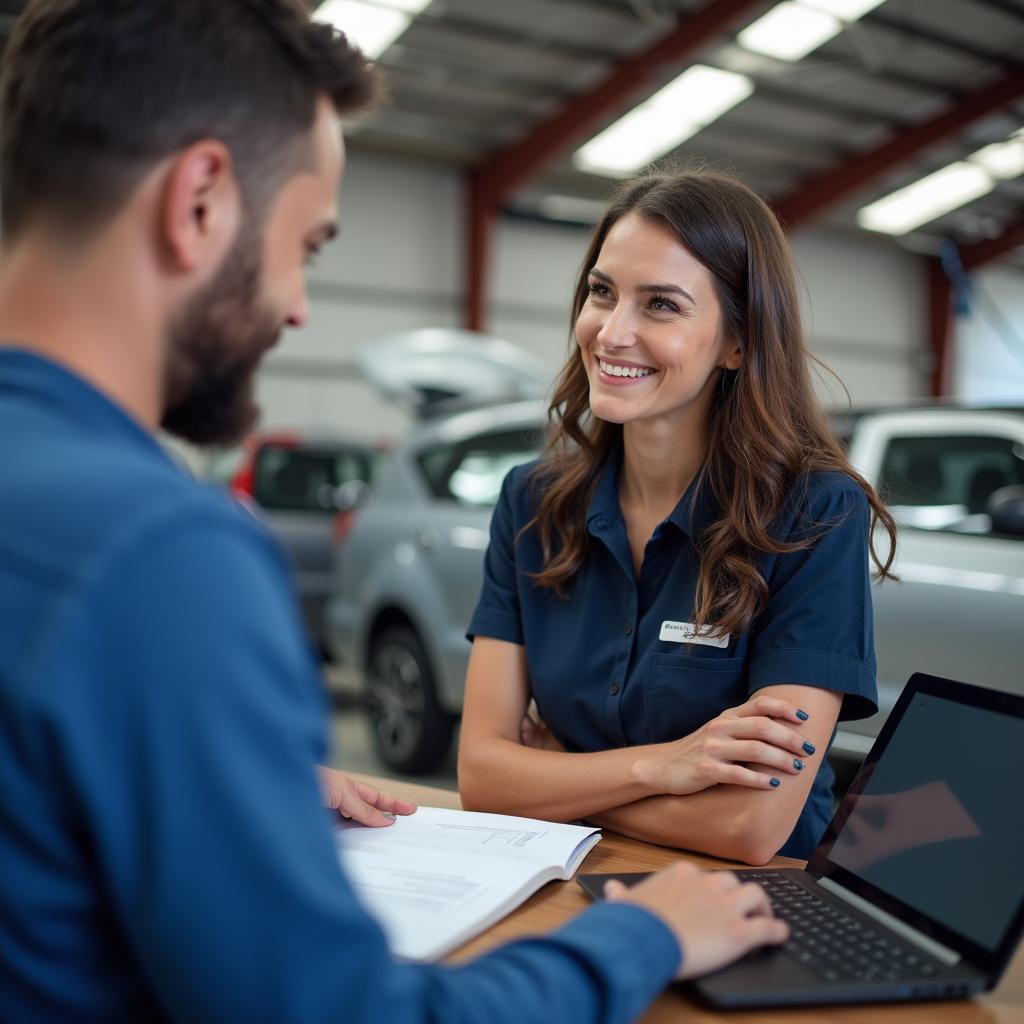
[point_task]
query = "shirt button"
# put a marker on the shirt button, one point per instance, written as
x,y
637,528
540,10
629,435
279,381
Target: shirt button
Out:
x,y
629,629
615,689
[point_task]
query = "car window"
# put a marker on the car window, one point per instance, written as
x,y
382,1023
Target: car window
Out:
x,y
470,472
945,482
304,479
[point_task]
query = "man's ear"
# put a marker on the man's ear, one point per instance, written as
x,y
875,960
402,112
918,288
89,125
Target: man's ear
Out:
x,y
201,206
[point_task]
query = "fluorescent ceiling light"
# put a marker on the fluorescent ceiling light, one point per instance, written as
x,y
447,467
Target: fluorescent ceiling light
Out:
x,y
848,10
371,26
789,31
411,6
946,189
926,199
1002,159
628,145
679,110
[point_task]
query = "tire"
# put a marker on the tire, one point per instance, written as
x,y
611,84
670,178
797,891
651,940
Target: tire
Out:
x,y
411,733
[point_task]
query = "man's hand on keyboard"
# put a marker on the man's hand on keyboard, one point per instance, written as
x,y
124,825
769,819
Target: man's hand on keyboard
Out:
x,y
714,917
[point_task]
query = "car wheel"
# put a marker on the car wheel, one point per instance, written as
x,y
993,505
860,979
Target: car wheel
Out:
x,y
411,733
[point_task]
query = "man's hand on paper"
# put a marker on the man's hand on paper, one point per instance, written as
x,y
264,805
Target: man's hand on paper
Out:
x,y
714,918
359,801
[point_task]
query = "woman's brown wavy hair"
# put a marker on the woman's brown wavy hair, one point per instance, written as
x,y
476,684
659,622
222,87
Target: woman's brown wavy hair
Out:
x,y
766,431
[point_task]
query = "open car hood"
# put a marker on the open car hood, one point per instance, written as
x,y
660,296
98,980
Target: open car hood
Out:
x,y
437,370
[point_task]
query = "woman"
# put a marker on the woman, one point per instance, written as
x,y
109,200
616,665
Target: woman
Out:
x,y
681,583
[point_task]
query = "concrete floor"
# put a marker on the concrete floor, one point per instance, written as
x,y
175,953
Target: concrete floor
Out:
x,y
351,745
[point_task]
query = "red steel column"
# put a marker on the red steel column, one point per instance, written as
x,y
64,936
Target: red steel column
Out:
x,y
481,217
941,322
833,185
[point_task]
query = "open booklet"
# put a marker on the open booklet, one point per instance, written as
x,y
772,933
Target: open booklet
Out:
x,y
438,877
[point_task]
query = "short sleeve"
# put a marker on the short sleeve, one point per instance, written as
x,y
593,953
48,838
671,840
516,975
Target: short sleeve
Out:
x,y
498,612
817,627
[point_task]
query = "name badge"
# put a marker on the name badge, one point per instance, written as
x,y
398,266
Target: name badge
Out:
x,y
685,633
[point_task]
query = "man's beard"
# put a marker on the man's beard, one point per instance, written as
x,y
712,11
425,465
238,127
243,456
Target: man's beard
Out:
x,y
215,346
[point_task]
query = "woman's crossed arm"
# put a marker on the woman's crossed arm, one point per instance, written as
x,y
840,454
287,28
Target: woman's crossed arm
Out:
x,y
710,791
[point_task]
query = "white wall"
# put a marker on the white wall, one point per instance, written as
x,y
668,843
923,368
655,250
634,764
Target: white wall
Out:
x,y
864,312
988,354
398,265
532,278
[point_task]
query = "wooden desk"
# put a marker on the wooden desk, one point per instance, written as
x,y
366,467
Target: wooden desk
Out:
x,y
559,901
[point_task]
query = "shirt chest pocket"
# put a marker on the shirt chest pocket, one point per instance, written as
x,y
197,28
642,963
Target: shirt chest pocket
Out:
x,y
686,690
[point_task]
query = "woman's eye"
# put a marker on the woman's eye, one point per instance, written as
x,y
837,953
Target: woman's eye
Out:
x,y
660,304
598,289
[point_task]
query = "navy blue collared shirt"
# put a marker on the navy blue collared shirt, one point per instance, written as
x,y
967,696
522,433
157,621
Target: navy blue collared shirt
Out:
x,y
601,674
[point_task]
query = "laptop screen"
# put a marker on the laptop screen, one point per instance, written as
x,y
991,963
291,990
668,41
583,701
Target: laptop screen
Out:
x,y
938,820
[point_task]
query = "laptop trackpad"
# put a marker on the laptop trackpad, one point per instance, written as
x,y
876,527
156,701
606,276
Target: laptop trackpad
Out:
x,y
764,970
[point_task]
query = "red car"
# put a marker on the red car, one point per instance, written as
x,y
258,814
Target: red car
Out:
x,y
307,490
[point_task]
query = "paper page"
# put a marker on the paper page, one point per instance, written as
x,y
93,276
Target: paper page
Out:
x,y
430,906
492,836
438,877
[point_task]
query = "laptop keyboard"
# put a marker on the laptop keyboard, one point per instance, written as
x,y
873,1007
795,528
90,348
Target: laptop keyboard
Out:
x,y
837,946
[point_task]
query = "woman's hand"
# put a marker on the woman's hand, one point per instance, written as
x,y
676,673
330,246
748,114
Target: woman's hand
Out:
x,y
359,801
755,733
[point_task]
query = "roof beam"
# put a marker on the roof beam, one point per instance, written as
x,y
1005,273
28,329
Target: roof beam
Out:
x,y
497,177
833,185
941,331
922,29
577,120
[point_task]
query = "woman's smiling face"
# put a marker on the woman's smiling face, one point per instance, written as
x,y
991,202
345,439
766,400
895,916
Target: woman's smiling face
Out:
x,y
650,330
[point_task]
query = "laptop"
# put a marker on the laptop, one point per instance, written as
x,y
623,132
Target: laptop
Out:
x,y
916,890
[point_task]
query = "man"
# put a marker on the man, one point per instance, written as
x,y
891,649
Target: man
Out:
x,y
168,166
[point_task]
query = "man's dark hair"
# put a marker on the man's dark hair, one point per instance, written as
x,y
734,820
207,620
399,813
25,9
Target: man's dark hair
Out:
x,y
95,92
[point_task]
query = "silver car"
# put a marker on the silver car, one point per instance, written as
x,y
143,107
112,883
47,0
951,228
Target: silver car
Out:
x,y
408,575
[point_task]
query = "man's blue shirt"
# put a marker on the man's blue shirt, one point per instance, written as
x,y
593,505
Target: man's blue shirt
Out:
x,y
164,854
601,670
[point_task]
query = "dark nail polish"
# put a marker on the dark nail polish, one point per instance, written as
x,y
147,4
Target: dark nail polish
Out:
x,y
808,747
798,764
775,782
802,715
